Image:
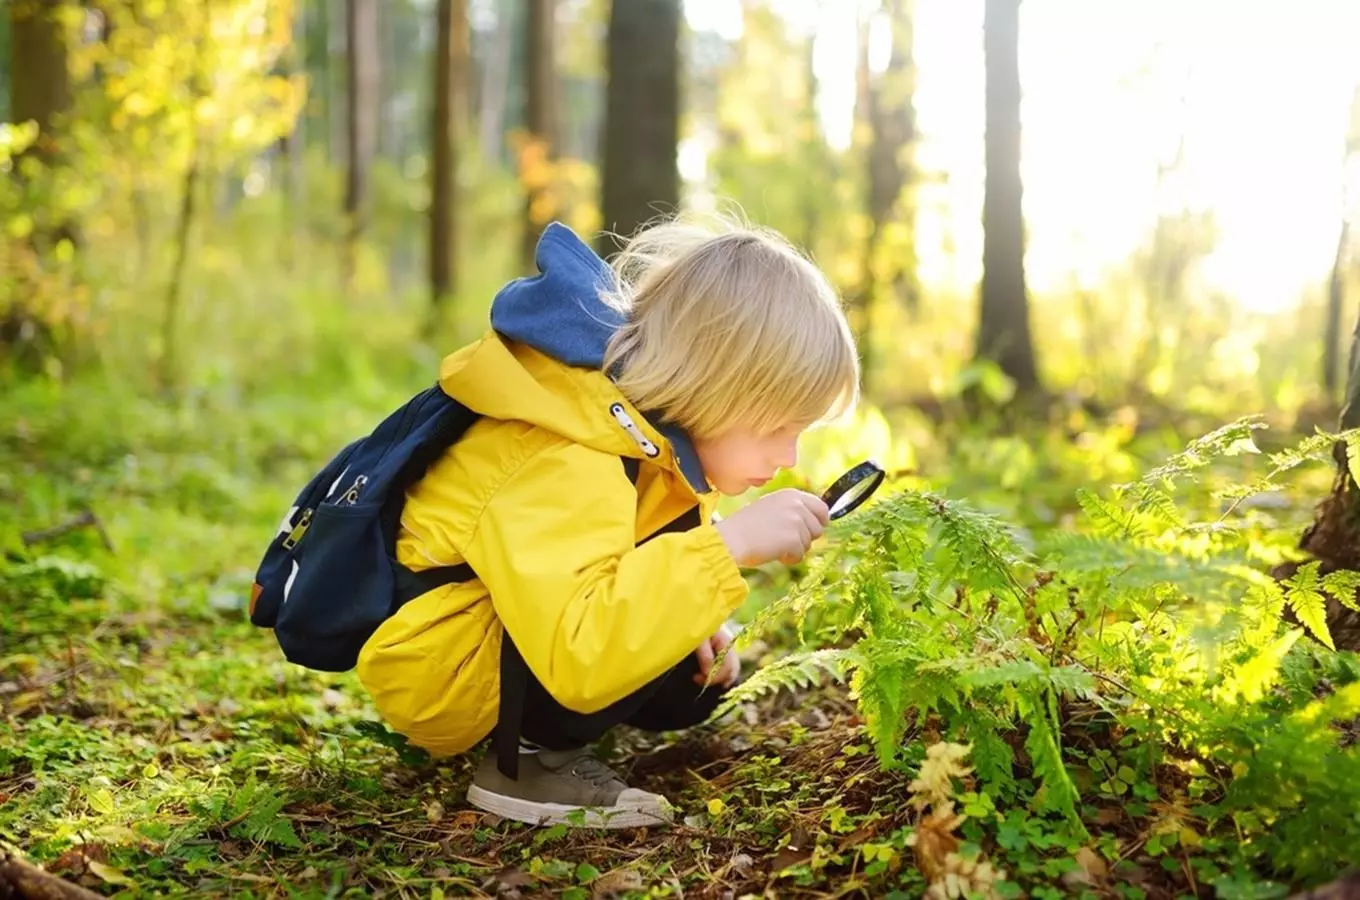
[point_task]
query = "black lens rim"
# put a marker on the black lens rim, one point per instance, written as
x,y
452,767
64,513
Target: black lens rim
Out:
x,y
862,472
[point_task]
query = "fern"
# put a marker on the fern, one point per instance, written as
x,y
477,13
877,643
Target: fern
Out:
x,y
1230,439
1306,600
1342,585
1138,621
791,673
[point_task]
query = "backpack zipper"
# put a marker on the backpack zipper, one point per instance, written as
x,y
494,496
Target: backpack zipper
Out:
x,y
298,530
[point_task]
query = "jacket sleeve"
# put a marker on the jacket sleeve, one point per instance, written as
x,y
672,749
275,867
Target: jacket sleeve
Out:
x,y
595,617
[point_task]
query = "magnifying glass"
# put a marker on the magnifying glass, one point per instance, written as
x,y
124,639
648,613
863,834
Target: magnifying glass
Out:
x,y
853,488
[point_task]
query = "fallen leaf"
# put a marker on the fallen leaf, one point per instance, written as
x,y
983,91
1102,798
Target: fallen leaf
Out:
x,y
509,877
434,811
466,819
307,873
108,873
741,865
1091,869
615,883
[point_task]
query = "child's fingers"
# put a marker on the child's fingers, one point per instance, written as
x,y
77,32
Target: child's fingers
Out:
x,y
705,654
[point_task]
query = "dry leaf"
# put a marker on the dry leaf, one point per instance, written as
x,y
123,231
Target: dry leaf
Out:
x,y
615,883
1091,869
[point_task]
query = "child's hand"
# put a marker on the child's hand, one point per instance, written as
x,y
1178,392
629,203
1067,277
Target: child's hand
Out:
x,y
708,651
781,526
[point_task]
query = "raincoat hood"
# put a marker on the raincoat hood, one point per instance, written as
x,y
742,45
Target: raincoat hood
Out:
x,y
543,361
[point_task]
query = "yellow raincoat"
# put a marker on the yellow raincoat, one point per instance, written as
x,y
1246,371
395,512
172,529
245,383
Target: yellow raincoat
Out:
x,y
535,499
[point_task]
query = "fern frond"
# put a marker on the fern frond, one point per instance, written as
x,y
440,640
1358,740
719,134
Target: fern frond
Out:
x,y
1234,437
1342,585
799,670
1307,602
1109,519
1056,791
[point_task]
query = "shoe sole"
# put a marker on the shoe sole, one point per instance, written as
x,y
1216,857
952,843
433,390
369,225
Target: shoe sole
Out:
x,y
535,813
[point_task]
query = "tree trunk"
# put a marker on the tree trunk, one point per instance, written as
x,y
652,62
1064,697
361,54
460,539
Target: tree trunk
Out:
x,y
168,373
1003,325
494,87
446,127
540,145
40,83
40,91
1335,297
890,121
642,117
361,34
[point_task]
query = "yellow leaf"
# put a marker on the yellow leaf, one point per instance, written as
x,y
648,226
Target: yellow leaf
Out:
x,y
101,801
1353,459
715,807
1189,837
151,770
108,873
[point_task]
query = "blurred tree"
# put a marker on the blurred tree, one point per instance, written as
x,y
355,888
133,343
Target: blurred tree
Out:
x,y
40,92
1331,338
642,116
537,147
361,132
447,126
1003,333
888,130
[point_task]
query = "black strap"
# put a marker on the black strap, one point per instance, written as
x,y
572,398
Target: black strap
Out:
x,y
515,671
510,718
411,585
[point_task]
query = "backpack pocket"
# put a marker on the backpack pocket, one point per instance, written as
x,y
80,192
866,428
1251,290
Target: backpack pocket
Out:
x,y
336,590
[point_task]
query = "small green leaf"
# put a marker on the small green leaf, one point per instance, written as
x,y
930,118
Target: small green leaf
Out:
x,y
101,801
586,873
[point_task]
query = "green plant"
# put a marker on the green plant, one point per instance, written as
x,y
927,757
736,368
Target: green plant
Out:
x,y
1142,643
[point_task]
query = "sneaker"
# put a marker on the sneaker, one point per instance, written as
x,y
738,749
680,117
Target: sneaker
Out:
x,y
565,786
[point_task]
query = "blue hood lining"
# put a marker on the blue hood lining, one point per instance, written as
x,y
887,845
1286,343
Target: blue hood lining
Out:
x,y
559,312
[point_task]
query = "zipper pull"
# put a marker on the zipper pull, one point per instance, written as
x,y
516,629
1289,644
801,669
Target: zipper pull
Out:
x,y
351,496
298,530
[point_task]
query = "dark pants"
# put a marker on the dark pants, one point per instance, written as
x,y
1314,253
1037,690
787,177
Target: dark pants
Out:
x,y
671,702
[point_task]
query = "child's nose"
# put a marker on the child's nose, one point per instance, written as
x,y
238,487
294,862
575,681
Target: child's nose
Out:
x,y
786,457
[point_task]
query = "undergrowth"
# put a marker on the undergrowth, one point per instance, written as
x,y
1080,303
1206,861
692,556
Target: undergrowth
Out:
x,y
1138,659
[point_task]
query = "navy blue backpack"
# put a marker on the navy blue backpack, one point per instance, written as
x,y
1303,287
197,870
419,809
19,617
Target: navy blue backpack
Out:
x,y
330,576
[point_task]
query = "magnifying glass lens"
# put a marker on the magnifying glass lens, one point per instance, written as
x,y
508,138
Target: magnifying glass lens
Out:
x,y
853,488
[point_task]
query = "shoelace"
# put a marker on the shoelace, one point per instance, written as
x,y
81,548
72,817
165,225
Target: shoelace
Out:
x,y
588,768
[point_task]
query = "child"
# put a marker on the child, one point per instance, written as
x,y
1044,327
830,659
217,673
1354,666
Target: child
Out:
x,y
616,405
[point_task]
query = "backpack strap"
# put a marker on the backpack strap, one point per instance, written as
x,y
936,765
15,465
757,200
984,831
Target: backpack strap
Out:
x,y
411,584
515,671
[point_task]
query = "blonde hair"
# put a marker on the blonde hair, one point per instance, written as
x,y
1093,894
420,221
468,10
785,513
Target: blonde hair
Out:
x,y
728,325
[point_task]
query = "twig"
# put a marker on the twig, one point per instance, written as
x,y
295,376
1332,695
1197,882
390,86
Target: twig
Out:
x,y
25,881
86,519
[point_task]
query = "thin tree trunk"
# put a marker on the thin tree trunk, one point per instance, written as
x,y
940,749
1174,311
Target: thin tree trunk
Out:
x,y
361,31
446,127
642,117
1003,325
540,123
494,87
1335,298
169,367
